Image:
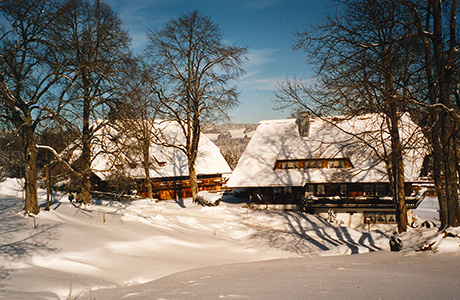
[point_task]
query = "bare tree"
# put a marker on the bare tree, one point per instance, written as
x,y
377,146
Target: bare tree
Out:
x,y
54,138
437,28
366,60
134,115
191,69
95,45
31,69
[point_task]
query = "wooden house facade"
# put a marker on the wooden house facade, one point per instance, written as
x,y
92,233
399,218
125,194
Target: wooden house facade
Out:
x,y
116,156
315,165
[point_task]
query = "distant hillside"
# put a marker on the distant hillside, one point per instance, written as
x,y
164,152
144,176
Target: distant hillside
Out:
x,y
229,130
231,139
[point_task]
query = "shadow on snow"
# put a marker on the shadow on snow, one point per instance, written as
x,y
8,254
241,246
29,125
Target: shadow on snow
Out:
x,y
309,235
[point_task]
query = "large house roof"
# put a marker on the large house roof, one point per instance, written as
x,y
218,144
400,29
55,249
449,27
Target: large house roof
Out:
x,y
329,138
166,161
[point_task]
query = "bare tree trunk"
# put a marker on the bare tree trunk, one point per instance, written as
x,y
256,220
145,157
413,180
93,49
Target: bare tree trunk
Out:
x,y
148,182
30,152
86,147
146,154
438,170
432,69
149,188
401,196
398,175
192,155
85,184
193,181
444,61
450,172
48,187
456,144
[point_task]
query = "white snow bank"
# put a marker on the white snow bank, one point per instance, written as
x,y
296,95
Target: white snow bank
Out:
x,y
12,187
425,234
445,241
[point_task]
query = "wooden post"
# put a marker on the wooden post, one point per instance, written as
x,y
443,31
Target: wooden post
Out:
x,y
103,217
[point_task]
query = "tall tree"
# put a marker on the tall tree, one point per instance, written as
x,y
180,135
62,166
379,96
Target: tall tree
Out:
x,y
31,70
437,28
366,62
95,45
134,114
191,68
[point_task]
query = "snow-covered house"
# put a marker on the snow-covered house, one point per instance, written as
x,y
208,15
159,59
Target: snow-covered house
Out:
x,y
318,164
116,153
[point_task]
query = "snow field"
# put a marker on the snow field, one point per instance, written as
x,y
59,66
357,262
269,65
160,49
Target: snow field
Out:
x,y
74,251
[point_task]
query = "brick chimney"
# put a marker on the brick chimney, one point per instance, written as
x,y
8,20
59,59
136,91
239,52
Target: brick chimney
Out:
x,y
303,122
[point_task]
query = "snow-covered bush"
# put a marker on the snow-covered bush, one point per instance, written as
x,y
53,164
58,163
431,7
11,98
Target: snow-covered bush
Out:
x,y
206,198
446,241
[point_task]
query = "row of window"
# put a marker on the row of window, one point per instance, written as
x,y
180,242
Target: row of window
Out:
x,y
379,217
320,189
378,190
368,189
314,164
134,165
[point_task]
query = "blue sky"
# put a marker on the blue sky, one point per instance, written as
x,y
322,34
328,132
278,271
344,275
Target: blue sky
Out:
x,y
265,27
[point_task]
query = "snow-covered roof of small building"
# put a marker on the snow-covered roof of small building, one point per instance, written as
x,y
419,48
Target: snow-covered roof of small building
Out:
x,y
329,138
108,157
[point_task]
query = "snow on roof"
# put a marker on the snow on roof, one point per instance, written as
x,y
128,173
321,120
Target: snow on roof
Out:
x,y
165,161
329,138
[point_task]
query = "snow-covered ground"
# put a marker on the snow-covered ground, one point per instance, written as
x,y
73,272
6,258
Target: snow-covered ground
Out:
x,y
170,250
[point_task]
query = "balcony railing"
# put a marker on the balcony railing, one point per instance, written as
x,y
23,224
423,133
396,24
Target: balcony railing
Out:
x,y
359,202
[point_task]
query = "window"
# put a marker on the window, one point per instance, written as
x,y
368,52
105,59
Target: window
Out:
x,y
380,190
369,217
379,217
391,218
277,191
310,164
343,189
320,189
288,190
309,190
335,164
287,165
293,165
368,190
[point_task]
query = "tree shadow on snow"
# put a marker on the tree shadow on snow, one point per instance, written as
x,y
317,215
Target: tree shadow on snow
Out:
x,y
336,236
308,235
18,236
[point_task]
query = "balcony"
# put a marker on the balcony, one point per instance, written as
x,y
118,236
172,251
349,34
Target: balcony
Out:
x,y
359,202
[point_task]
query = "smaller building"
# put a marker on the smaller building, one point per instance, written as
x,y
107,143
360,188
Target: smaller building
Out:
x,y
329,166
118,160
